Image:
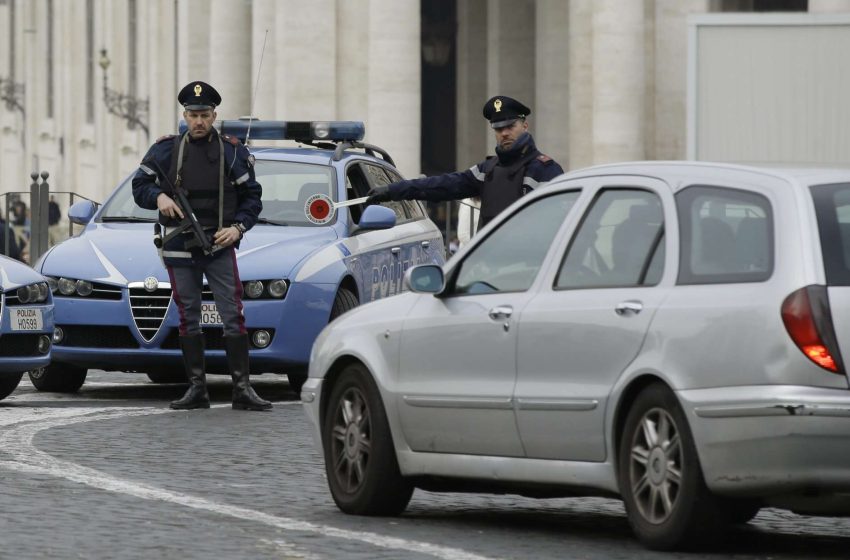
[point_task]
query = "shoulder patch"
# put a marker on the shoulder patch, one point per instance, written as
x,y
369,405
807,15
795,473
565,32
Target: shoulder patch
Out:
x,y
543,158
163,138
232,139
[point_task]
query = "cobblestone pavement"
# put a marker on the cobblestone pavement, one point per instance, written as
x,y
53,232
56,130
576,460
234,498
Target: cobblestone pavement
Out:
x,y
111,472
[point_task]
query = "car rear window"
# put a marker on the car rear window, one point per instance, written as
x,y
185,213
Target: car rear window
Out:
x,y
726,236
832,207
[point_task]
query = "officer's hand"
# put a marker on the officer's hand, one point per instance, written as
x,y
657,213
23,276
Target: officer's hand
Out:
x,y
378,195
168,207
226,236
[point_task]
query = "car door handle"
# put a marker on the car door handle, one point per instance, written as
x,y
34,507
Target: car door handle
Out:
x,y
630,307
395,250
501,312
426,244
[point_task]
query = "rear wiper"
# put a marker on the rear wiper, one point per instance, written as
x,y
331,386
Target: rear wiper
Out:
x,y
271,222
133,219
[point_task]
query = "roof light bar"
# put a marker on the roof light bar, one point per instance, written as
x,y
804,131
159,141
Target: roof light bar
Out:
x,y
301,131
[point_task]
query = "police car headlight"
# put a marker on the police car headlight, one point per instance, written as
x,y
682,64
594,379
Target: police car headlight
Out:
x,y
277,288
84,287
253,289
43,291
67,286
52,283
25,292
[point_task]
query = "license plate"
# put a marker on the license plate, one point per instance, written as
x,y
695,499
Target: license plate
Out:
x,y
26,319
209,314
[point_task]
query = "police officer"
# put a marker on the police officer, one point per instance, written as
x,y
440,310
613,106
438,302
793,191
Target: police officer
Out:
x,y
216,173
517,168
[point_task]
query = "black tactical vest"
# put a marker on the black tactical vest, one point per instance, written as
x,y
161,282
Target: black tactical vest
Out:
x,y
200,179
502,186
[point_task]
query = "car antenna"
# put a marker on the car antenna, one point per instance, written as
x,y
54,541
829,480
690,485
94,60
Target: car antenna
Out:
x,y
254,98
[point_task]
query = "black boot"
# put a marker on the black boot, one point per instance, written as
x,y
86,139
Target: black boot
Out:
x,y
193,358
244,397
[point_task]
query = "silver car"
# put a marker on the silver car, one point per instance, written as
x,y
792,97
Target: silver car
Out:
x,y
668,333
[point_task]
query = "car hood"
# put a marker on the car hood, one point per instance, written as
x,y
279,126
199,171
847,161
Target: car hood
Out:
x,y
14,274
120,253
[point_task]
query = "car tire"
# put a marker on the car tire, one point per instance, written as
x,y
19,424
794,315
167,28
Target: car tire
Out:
x,y
168,376
345,300
360,462
8,383
661,481
58,378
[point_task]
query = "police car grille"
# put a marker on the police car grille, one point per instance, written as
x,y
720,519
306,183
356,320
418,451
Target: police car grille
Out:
x,y
148,309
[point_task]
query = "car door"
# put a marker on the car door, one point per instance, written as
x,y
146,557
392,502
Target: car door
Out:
x,y
457,366
579,333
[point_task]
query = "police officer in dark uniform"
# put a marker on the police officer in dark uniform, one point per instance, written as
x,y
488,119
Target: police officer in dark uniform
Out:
x,y
517,168
216,173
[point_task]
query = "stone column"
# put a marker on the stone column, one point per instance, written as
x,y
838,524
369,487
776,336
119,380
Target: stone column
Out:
x,y
669,106
510,53
194,40
394,80
618,80
550,112
472,144
230,56
263,19
580,86
352,66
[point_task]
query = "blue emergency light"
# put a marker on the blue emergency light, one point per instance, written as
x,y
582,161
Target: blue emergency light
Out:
x,y
300,131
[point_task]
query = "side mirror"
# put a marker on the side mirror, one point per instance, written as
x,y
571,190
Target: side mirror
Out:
x,y
82,212
425,279
376,216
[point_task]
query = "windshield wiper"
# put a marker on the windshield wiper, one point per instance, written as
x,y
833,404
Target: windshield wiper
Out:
x,y
272,222
133,219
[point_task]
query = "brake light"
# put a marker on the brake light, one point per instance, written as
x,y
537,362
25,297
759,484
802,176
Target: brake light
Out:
x,y
808,320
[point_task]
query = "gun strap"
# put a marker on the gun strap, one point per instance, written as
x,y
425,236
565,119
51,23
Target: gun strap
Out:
x,y
178,179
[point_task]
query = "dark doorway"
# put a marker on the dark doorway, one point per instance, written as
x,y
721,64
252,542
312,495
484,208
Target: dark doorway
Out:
x,y
439,105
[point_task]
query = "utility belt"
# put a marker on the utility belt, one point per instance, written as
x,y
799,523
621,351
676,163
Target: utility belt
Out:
x,y
190,238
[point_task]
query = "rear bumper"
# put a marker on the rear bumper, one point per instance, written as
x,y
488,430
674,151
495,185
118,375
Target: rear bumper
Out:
x,y
772,440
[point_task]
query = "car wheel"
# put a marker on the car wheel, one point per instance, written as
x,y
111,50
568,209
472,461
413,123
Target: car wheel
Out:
x,y
58,378
168,376
360,461
661,481
345,300
8,383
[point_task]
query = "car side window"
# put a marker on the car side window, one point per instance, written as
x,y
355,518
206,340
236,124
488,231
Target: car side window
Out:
x,y
726,236
413,207
620,242
510,257
379,178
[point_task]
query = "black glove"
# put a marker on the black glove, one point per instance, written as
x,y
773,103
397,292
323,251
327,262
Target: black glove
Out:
x,y
378,195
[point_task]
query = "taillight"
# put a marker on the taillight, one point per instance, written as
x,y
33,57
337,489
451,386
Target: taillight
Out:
x,y
808,320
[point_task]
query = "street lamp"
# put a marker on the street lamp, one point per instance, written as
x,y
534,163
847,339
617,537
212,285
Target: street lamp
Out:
x,y
128,107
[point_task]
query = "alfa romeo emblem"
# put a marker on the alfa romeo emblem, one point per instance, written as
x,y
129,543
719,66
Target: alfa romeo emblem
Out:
x,y
151,283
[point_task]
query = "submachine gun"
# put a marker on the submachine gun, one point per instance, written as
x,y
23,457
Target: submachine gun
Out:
x,y
188,223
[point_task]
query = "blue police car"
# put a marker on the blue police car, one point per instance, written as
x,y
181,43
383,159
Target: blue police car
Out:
x,y
315,253
26,323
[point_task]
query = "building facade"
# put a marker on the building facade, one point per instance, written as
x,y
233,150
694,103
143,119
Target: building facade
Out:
x,y
87,85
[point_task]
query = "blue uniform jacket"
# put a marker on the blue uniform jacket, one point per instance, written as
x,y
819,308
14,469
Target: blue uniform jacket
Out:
x,y
465,184
148,183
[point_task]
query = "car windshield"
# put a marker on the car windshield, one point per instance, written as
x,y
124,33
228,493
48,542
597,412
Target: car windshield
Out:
x,y
286,188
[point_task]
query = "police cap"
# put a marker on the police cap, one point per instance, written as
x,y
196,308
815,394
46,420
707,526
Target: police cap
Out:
x,y
197,96
502,111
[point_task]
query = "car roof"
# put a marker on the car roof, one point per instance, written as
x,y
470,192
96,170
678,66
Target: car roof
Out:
x,y
675,171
